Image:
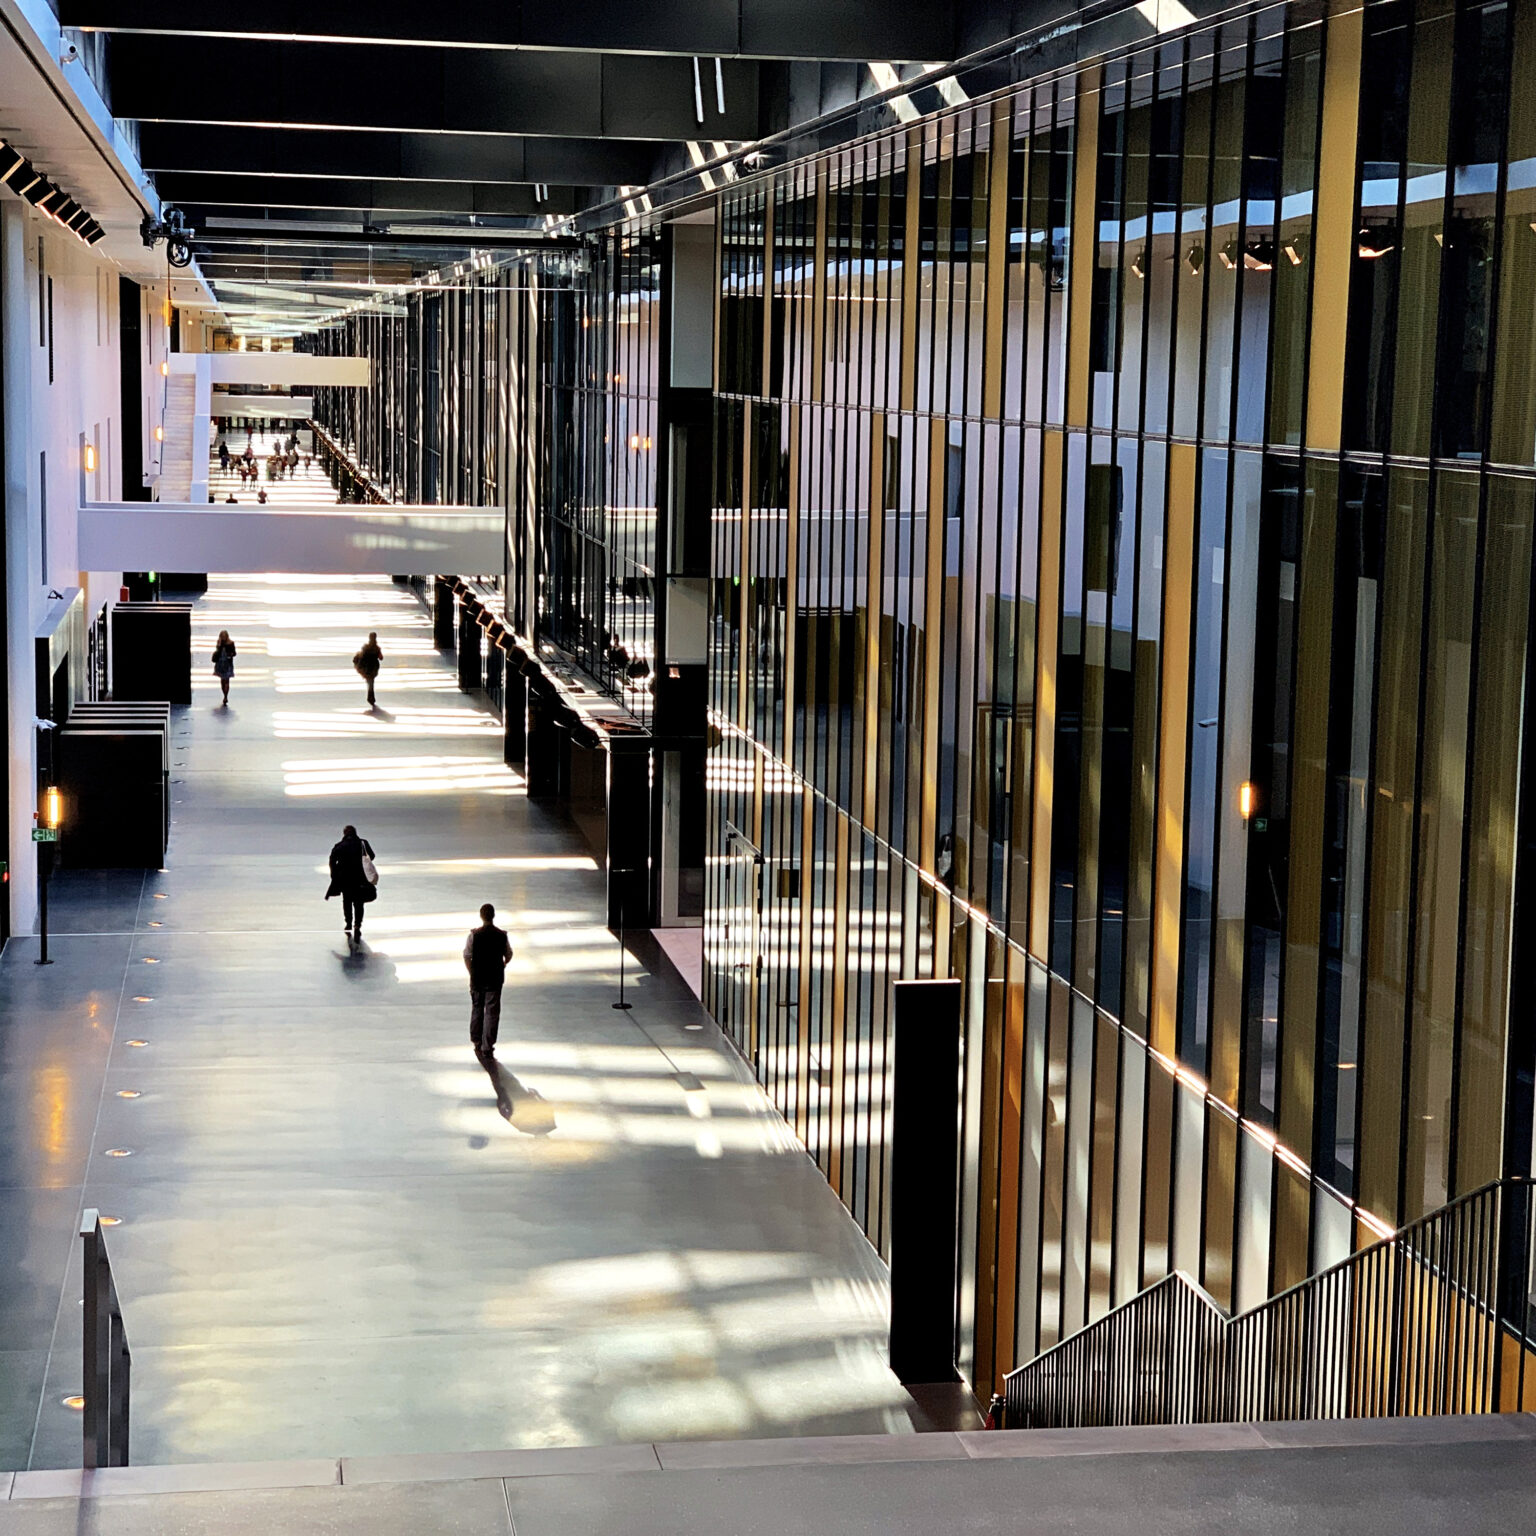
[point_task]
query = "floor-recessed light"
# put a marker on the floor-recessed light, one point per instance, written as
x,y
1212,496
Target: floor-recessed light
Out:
x,y
154,924
159,895
129,1093
138,1042
141,998
119,1152
110,1221
151,960
75,1401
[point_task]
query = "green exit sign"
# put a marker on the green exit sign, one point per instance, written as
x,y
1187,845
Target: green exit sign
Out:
x,y
45,834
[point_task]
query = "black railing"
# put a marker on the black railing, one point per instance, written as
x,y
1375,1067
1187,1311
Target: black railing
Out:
x,y
106,1359
1434,1319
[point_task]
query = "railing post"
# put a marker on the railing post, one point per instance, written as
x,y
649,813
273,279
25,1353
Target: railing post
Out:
x,y
95,1377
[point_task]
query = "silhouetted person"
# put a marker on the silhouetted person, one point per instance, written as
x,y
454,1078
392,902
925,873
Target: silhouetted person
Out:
x,y
224,660
486,952
368,661
349,881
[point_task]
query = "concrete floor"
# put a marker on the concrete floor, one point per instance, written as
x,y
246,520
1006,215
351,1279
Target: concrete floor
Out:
x,y
1366,1477
340,1235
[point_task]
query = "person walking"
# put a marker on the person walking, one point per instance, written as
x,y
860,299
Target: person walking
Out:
x,y
368,661
223,455
224,658
351,867
486,952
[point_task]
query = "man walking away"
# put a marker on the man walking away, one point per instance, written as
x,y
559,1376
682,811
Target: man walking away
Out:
x,y
368,661
486,952
349,879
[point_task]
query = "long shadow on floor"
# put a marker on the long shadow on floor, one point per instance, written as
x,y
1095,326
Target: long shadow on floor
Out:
x,y
520,1106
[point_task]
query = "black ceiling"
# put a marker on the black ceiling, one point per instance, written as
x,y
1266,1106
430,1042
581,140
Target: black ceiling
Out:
x,y
355,117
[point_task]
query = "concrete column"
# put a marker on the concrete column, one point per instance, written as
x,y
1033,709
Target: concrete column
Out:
x,y
18,327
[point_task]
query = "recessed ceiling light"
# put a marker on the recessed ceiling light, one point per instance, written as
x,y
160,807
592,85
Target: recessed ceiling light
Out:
x,y
142,998
75,1401
110,1221
139,1042
129,1093
150,960
119,1152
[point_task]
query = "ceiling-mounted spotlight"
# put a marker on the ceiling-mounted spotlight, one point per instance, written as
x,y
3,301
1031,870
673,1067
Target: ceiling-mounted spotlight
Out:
x,y
70,211
1139,264
97,233
1228,254
1195,258
38,190
11,161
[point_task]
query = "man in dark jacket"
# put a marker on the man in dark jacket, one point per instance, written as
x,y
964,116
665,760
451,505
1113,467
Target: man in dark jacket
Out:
x,y
348,880
368,661
486,952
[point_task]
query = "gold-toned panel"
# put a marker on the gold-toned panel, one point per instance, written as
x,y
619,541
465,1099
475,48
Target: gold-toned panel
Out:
x,y
1173,750
1009,1192
1085,245
1334,229
819,286
768,202
743,665
1309,806
874,611
911,270
808,937
993,356
839,1054
791,577
1293,1226
1053,450
933,635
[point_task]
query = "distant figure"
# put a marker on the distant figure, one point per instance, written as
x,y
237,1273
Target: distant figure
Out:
x,y
223,455
261,495
368,661
224,659
486,952
351,863
231,500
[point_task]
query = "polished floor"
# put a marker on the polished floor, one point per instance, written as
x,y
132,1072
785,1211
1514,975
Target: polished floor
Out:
x,y
1365,1477
339,1234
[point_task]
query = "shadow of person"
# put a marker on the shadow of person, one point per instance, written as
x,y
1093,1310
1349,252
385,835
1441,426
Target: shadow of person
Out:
x,y
380,713
520,1106
354,963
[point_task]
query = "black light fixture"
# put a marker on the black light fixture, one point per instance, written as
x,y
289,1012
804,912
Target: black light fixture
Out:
x,y
69,211
52,200
11,161
36,191
78,224
1139,264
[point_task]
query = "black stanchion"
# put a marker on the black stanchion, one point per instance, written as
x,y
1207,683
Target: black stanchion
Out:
x,y
623,904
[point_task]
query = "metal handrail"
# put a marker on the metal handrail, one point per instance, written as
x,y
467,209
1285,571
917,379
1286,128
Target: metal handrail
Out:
x,y
1433,1319
106,1360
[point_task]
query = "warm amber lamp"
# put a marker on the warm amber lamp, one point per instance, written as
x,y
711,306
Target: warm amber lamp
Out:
x,y
159,434
165,370
1247,799
53,807
90,458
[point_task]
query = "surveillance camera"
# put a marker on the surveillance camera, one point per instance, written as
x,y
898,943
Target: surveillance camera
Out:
x,y
70,55
44,725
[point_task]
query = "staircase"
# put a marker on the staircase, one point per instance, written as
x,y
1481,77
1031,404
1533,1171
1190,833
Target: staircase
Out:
x,y
1436,1319
177,448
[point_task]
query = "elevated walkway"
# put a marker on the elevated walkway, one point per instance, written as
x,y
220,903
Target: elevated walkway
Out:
x,y
1368,1478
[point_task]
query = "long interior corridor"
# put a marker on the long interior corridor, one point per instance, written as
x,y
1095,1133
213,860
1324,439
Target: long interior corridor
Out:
x,y
337,1233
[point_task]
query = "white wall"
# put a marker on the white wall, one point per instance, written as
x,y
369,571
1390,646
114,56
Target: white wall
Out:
x,y
43,417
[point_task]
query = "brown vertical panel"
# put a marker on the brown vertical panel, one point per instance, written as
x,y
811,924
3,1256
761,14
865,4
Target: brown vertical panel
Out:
x,y
988,1307
1334,230
768,202
993,359
744,602
719,286
1101,1185
1178,572
1054,1154
911,270
791,579
1048,615
1085,245
808,937
819,286
1309,797
1220,1203
838,1021
1157,1174
1293,1225
1485,1014
1010,1136
933,633
1394,816
874,608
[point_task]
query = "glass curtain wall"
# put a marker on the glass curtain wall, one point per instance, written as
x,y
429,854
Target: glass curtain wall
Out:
x,y
1120,603
532,386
